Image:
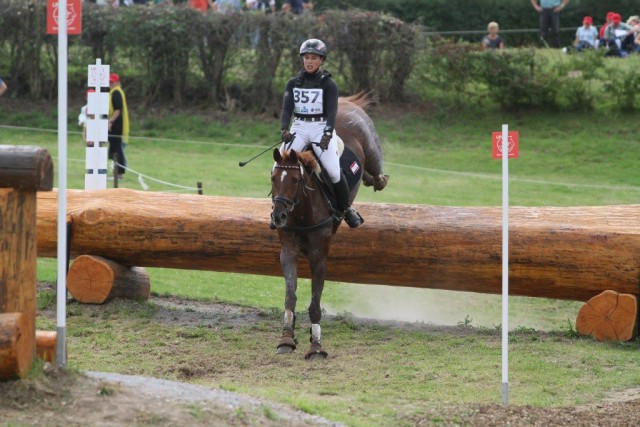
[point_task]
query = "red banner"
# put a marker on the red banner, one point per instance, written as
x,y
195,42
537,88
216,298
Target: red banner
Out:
x,y
74,17
513,148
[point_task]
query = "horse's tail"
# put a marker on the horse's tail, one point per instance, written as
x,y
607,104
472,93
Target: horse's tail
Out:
x,y
362,99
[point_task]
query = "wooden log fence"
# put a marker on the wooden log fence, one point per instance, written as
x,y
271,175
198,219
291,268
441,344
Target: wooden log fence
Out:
x,y
23,172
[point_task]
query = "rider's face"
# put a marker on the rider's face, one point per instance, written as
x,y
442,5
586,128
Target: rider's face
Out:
x,y
312,62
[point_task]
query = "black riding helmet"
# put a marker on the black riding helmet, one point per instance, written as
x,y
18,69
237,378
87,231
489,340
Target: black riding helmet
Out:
x,y
314,46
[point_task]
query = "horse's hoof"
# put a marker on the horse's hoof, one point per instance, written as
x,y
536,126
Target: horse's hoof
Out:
x,y
315,353
285,349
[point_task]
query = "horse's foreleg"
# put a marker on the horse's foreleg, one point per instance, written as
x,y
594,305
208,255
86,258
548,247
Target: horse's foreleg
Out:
x,y
318,273
288,262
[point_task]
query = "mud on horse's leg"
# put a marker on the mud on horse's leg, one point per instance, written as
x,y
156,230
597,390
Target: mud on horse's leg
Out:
x,y
288,342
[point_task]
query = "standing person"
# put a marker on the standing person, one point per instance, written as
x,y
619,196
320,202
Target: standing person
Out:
x,y
227,7
549,11
3,87
265,6
118,123
492,40
312,99
297,7
587,35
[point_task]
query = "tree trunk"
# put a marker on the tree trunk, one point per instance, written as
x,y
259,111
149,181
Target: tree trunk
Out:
x,y
609,316
16,345
571,253
96,280
46,345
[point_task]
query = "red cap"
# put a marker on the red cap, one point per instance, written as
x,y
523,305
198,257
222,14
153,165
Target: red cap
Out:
x,y
113,77
616,18
610,15
587,20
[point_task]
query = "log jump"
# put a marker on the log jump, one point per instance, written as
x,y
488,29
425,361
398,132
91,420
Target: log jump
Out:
x,y
23,172
571,253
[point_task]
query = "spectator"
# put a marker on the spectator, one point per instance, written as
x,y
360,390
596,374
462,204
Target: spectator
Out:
x,y
492,40
201,5
265,6
617,37
634,23
549,11
226,7
297,7
83,117
118,123
3,87
586,36
608,20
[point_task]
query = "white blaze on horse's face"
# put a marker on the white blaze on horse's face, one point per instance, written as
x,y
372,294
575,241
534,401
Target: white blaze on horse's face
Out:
x,y
283,175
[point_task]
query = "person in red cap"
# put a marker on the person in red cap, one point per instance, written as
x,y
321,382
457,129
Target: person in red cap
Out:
x,y
616,36
587,35
118,123
607,22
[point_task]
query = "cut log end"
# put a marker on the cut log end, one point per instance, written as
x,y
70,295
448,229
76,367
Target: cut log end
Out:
x,y
16,346
96,280
609,316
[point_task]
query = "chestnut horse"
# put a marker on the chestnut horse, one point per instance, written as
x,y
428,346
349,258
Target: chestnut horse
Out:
x,y
303,215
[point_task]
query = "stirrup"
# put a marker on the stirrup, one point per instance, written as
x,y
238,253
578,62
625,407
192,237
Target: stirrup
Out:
x,y
353,218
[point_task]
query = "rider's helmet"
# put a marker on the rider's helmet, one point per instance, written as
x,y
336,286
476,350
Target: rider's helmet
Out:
x,y
314,46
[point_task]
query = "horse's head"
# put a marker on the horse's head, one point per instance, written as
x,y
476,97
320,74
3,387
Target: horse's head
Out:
x,y
287,185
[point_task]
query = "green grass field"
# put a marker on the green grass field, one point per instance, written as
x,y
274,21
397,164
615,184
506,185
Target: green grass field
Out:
x,y
377,375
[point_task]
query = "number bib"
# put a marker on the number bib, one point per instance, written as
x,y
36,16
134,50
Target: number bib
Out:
x,y
307,101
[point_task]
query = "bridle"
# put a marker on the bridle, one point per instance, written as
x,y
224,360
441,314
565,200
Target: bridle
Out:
x,y
290,205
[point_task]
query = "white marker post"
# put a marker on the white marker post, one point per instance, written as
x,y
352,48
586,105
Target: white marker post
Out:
x,y
499,151
95,177
61,298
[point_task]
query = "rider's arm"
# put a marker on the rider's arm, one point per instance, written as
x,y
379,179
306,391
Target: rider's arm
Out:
x,y
330,104
287,105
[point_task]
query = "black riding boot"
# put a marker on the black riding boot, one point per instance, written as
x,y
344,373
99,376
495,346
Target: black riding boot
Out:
x,y
351,217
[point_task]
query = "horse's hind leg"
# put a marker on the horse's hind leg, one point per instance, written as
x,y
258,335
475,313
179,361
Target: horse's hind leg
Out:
x,y
378,182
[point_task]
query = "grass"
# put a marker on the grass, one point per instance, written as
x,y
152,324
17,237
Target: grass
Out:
x,y
377,375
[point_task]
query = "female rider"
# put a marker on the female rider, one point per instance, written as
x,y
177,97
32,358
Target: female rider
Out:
x,y
312,99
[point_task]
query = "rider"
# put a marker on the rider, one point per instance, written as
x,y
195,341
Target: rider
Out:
x,y
312,98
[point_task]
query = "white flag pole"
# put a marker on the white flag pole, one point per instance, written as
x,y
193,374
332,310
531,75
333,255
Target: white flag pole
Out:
x,y
61,302
505,265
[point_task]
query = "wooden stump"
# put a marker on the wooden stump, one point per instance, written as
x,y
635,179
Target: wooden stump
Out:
x,y
96,280
609,316
15,345
46,345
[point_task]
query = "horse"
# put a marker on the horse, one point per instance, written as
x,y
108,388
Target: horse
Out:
x,y
303,212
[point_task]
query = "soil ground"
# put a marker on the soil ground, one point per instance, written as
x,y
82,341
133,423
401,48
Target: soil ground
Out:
x,y
62,398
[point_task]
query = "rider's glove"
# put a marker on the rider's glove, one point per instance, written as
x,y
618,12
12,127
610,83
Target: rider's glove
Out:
x,y
286,136
324,141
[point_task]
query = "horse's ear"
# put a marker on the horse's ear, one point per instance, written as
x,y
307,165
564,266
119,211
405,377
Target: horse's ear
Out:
x,y
276,154
293,155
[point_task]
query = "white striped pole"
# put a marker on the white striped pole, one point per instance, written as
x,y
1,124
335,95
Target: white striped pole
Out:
x,y
505,265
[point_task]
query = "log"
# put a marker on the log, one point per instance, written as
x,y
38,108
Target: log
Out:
x,y
571,253
25,168
609,316
18,259
16,347
46,345
96,280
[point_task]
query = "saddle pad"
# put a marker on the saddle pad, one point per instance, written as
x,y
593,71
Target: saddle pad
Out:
x,y
351,167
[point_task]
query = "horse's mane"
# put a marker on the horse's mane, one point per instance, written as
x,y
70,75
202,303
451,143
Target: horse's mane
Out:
x,y
361,99
306,158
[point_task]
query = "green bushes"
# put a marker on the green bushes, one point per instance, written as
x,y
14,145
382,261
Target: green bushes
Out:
x,y
179,55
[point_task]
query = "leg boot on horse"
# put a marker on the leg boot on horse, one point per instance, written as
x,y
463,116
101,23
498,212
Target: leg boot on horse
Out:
x,y
315,351
351,217
288,341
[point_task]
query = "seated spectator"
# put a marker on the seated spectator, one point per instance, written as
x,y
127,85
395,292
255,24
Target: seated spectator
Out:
x,y
226,7
201,5
603,40
492,40
586,36
297,7
616,36
264,6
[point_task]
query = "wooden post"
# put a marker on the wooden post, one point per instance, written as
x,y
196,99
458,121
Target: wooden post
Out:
x,y
23,171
